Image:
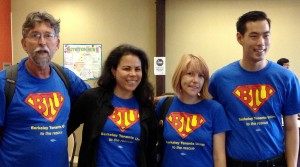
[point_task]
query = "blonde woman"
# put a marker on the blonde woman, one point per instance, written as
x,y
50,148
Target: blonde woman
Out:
x,y
194,127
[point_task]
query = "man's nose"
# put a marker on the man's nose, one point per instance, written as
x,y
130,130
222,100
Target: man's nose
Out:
x,y
42,40
260,41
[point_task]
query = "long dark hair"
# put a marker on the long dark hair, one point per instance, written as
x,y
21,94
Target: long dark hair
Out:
x,y
106,82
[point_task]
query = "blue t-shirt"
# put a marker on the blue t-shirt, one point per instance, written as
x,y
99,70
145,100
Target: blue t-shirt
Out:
x,y
189,130
254,103
119,140
35,122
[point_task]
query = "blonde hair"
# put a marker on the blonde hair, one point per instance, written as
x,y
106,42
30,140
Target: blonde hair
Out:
x,y
196,63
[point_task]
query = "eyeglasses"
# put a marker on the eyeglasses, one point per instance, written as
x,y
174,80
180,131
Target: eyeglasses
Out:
x,y
36,36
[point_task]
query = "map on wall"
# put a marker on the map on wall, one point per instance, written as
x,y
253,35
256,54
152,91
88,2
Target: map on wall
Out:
x,y
83,59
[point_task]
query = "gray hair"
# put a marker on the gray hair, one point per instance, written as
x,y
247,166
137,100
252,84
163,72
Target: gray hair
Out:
x,y
38,17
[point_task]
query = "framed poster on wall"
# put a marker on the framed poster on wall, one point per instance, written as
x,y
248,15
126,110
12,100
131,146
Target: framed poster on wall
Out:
x,y
83,59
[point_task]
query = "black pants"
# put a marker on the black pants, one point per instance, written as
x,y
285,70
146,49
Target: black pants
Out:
x,y
278,161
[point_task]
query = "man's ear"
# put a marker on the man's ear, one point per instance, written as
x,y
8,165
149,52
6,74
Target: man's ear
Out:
x,y
58,42
239,38
23,42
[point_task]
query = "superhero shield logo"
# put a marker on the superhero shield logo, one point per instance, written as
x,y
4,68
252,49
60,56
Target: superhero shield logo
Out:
x,y
124,118
185,123
254,96
47,104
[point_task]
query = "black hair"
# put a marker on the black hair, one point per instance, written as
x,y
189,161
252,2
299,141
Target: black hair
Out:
x,y
144,92
250,16
282,61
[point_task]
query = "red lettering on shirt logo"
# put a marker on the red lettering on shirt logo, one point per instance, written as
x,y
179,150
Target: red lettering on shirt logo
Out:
x,y
185,123
254,96
124,118
47,104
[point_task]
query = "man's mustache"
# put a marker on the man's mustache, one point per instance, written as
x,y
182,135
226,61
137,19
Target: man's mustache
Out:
x,y
43,49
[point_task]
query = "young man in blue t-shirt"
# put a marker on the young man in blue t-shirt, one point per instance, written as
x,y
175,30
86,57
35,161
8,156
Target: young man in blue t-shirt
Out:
x,y
255,93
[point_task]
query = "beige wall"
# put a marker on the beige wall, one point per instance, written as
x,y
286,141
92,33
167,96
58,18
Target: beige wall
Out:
x,y
207,28
106,22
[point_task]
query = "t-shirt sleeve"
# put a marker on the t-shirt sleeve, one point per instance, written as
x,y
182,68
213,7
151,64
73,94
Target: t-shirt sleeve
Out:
x,y
212,88
77,85
2,98
158,106
221,123
292,97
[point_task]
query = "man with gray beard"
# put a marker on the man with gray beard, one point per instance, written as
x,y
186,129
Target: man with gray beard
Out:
x,y
41,99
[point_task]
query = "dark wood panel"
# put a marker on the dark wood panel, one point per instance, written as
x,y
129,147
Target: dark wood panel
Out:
x,y
160,42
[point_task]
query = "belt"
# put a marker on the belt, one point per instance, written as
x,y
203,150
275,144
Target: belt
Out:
x,y
279,160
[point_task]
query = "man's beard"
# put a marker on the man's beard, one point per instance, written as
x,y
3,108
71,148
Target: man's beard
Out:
x,y
41,61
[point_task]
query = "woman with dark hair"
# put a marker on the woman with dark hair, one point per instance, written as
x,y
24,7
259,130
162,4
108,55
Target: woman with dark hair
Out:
x,y
118,115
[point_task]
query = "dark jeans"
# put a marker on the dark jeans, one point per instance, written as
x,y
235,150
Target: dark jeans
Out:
x,y
278,161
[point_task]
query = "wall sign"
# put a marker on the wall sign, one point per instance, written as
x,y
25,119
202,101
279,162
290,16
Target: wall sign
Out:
x,y
159,66
83,59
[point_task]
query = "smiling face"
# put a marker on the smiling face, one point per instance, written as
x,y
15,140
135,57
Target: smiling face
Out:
x,y
191,83
128,75
40,44
255,41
